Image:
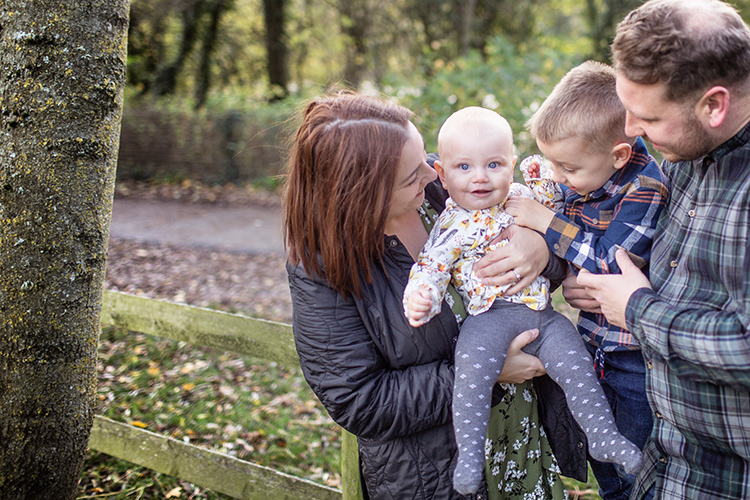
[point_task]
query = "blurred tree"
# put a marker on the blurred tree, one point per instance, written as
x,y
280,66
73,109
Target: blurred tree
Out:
x,y
355,20
63,71
603,17
165,79
275,15
210,36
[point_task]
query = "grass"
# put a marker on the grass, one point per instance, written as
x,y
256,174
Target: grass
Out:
x,y
253,410
244,407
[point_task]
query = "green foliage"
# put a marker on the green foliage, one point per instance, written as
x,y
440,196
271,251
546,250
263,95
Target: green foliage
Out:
x,y
511,81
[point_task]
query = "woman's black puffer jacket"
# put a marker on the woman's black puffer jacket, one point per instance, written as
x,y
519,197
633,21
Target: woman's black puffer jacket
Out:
x,y
388,383
382,380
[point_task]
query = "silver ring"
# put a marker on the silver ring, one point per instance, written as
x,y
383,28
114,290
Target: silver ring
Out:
x,y
518,276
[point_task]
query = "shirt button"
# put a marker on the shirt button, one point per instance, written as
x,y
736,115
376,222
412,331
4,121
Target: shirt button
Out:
x,y
691,213
580,445
648,363
595,221
394,243
556,246
673,264
658,415
663,460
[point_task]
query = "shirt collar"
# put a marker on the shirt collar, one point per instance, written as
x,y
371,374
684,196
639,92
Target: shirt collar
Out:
x,y
740,139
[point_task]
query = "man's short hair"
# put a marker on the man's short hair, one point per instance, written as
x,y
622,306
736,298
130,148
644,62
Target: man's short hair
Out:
x,y
583,105
689,45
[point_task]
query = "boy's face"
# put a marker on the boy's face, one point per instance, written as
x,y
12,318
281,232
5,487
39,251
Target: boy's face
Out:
x,y
580,167
477,169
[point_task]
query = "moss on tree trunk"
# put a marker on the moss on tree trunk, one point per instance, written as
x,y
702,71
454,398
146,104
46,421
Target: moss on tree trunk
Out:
x,y
62,71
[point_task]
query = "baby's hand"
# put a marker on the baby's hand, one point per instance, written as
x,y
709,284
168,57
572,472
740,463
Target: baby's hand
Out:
x,y
418,305
534,170
529,213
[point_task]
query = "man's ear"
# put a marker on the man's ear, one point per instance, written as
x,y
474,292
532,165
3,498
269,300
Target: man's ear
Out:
x,y
621,154
441,172
713,106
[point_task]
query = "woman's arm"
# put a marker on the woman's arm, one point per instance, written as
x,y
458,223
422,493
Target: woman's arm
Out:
x,y
343,366
526,253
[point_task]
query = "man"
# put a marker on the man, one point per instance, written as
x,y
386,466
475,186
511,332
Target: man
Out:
x,y
683,74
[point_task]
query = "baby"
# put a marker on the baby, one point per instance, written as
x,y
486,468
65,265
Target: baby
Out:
x,y
476,164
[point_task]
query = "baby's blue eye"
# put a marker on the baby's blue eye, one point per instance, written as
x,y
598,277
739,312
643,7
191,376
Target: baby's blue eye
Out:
x,y
464,166
493,164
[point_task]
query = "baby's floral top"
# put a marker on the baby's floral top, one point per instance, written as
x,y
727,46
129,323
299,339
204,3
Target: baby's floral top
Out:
x,y
457,242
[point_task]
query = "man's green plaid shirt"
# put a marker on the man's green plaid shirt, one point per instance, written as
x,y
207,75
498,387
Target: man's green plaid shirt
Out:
x,y
693,329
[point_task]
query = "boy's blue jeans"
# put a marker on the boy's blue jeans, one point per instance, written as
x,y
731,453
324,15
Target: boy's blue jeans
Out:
x,y
622,375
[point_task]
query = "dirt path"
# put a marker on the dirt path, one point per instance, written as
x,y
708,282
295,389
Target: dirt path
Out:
x,y
243,228
225,256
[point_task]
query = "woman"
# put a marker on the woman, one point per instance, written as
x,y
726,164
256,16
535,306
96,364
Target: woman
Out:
x,y
359,203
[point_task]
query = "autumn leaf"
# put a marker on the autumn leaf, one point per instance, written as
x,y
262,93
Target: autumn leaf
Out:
x,y
138,423
174,493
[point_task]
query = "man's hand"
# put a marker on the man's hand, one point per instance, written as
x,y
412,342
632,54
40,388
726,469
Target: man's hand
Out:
x,y
526,253
529,213
613,291
418,305
519,366
576,295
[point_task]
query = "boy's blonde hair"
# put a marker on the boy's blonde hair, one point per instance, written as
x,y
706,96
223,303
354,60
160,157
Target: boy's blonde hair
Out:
x,y
584,105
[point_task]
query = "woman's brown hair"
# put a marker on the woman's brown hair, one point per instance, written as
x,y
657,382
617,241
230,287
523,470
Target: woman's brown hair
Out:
x,y
340,178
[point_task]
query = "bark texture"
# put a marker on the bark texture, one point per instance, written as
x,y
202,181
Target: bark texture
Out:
x,y
62,70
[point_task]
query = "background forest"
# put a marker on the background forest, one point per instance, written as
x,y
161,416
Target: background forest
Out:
x,y
212,83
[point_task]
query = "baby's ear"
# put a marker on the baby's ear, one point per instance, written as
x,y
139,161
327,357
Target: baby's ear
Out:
x,y
621,154
441,173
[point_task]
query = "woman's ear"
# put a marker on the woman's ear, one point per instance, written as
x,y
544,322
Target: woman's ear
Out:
x,y
621,154
712,107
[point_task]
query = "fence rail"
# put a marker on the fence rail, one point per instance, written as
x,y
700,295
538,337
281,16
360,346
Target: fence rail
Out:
x,y
222,473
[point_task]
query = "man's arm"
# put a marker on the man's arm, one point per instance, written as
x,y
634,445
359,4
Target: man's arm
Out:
x,y
705,344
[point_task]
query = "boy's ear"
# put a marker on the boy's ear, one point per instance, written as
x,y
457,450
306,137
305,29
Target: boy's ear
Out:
x,y
441,173
621,154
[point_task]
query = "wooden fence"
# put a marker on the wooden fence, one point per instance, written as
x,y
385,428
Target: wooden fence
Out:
x,y
222,473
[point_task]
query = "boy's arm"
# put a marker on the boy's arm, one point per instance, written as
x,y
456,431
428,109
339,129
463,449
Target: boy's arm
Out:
x,y
632,228
529,213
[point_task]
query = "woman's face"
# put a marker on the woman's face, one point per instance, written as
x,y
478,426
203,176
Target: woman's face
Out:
x,y
412,175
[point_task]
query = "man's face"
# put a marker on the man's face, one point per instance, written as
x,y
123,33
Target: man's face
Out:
x,y
671,127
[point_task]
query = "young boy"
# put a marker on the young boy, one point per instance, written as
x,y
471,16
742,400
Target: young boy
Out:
x,y
614,192
476,164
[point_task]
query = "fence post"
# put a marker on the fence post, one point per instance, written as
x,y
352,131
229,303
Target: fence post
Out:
x,y
351,488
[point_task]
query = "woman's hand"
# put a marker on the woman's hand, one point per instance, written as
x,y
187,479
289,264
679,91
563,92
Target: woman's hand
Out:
x,y
519,366
518,263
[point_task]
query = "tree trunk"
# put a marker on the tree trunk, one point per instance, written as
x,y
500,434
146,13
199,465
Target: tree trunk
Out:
x,y
165,80
62,73
210,37
276,50
355,18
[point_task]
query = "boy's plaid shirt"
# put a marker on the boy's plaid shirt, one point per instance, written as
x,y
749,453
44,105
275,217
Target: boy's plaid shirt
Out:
x,y
622,213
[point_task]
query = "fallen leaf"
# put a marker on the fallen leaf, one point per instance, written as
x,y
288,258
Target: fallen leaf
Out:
x,y
174,493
